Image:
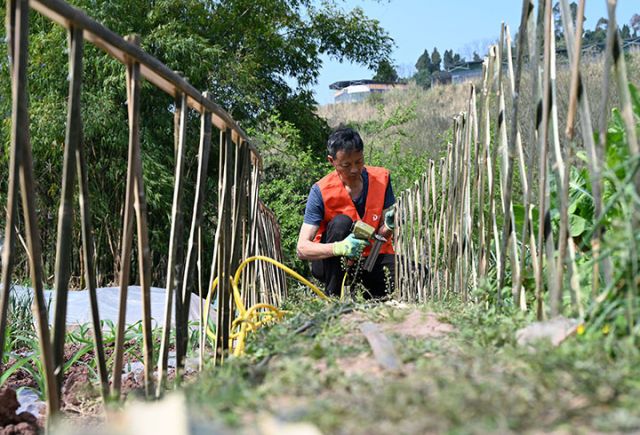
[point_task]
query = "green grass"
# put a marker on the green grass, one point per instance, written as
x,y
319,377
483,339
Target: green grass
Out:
x,y
473,381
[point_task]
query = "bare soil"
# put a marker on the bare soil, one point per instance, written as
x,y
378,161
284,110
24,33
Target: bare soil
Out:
x,y
10,422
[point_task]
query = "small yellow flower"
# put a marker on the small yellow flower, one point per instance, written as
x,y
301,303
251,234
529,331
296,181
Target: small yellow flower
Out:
x,y
580,329
605,329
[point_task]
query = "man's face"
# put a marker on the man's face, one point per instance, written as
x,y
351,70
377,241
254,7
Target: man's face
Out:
x,y
348,164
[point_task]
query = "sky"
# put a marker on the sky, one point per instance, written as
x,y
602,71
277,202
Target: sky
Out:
x,y
461,25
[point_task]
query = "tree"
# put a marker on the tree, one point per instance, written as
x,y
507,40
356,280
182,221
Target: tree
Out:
x,y
386,72
635,24
457,60
424,61
476,57
435,60
258,59
423,78
447,60
625,32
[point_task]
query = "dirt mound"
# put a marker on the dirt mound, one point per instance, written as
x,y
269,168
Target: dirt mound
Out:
x,y
10,422
416,324
420,325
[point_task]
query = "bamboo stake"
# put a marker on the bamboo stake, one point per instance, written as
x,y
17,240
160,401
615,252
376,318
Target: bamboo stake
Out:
x,y
439,230
126,245
140,208
20,140
514,143
544,229
223,243
173,281
482,164
432,226
65,212
595,159
556,265
575,64
194,242
491,183
472,178
12,193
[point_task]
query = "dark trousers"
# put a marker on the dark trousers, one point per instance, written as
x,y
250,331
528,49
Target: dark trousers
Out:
x,y
378,283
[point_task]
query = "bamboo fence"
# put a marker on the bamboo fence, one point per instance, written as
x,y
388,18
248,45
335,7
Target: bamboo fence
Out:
x,y
457,227
245,226
457,231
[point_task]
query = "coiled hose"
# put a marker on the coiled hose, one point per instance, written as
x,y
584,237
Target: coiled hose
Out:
x,y
257,315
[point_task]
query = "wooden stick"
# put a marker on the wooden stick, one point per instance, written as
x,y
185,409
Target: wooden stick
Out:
x,y
8,256
140,207
21,141
193,244
544,229
65,211
173,280
556,266
514,143
224,245
126,245
575,68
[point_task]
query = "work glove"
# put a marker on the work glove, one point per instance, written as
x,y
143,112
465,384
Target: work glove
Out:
x,y
350,247
389,219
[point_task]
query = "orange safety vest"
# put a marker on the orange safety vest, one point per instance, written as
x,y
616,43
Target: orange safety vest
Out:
x,y
337,201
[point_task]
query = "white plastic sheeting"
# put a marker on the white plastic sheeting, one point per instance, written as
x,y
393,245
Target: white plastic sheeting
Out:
x,y
79,309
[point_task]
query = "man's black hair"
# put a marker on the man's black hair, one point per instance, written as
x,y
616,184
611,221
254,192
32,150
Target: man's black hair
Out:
x,y
344,139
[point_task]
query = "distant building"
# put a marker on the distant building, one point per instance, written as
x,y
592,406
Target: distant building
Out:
x,y
352,91
465,72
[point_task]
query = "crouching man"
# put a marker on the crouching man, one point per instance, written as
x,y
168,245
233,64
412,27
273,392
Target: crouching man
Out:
x,y
350,193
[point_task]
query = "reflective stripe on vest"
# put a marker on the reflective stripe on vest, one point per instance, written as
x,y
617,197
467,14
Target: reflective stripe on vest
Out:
x,y
337,201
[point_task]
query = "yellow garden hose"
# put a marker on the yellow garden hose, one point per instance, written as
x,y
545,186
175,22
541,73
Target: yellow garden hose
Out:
x,y
250,319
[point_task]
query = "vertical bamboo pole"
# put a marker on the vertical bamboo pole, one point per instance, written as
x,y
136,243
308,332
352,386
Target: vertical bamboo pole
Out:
x,y
20,140
432,227
439,230
471,187
127,236
223,243
467,241
397,246
65,211
581,99
493,230
525,28
544,229
514,143
12,193
482,165
173,280
196,220
140,208
556,265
